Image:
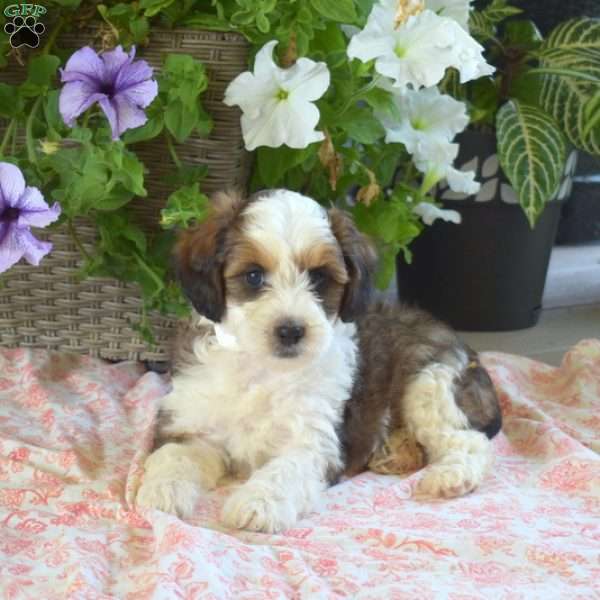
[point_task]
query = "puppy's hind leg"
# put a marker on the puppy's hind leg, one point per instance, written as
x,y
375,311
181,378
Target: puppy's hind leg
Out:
x,y
458,456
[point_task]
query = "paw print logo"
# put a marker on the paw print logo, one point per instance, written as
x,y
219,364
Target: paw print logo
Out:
x,y
24,31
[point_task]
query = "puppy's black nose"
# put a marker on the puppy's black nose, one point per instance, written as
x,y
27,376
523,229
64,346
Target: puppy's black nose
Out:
x,y
289,333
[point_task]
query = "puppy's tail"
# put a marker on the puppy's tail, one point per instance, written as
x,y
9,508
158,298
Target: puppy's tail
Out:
x,y
476,397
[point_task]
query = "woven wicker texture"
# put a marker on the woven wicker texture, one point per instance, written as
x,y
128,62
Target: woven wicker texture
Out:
x,y
49,306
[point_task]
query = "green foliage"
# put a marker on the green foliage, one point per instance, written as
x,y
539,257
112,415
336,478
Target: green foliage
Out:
x,y
342,11
185,206
570,62
181,83
483,24
532,152
543,92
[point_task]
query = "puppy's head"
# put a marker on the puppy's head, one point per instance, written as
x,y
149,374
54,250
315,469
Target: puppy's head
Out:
x,y
276,271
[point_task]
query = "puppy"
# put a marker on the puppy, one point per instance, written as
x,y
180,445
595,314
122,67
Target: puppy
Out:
x,y
289,377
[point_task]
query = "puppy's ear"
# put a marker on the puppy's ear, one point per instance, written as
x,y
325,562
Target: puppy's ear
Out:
x,y
200,255
361,261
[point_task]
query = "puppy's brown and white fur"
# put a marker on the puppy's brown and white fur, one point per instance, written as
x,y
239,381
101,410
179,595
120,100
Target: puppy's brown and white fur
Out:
x,y
288,376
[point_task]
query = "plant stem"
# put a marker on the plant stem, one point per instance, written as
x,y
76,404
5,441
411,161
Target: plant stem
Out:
x,y
77,241
53,36
172,151
159,282
29,141
86,117
13,145
7,135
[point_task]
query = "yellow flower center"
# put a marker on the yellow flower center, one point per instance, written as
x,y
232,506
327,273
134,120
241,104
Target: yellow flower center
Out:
x,y
400,51
406,9
282,94
419,124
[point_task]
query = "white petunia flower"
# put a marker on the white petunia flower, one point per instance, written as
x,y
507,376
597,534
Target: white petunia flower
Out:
x,y
430,121
435,159
430,212
427,115
417,52
277,104
454,9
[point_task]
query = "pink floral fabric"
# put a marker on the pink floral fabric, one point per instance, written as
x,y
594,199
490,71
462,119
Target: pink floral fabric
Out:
x,y
74,433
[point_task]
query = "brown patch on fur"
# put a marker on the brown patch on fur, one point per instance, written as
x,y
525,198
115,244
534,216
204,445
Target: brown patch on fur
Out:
x,y
246,253
200,255
360,259
396,343
182,350
328,260
242,256
476,397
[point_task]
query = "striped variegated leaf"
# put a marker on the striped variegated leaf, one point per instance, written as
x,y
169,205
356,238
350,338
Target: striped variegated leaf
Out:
x,y
570,63
532,152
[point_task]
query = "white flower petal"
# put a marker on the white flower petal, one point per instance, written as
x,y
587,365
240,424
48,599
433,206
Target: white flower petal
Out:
x,y
377,37
250,93
306,80
453,9
264,65
462,181
277,103
429,118
429,213
417,52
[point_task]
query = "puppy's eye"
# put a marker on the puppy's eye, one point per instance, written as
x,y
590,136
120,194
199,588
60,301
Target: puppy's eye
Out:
x,y
318,277
255,278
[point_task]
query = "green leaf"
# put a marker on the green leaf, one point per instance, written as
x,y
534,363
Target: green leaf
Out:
x,y
153,7
592,114
183,78
273,163
151,129
570,62
360,124
483,23
382,102
498,10
51,112
180,120
532,152
522,34
11,103
484,100
342,11
43,69
139,29
185,206
207,21
187,175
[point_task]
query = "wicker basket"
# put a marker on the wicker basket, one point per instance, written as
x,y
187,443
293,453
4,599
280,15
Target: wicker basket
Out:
x,y
49,306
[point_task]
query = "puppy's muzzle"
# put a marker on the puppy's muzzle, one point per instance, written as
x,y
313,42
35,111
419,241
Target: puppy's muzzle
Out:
x,y
289,333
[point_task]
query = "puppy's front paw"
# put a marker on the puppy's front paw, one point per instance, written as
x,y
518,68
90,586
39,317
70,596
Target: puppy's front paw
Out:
x,y
253,507
446,481
175,496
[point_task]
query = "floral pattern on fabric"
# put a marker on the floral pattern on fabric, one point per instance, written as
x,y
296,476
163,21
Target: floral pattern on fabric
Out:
x,y
74,432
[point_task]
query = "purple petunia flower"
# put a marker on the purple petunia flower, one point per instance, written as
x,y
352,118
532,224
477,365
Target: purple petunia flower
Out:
x,y
119,85
21,208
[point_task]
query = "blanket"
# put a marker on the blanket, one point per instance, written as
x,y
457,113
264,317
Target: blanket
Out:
x,y
74,433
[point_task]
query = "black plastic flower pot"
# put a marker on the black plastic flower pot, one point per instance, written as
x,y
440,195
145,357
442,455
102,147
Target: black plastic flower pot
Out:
x,y
580,217
488,273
